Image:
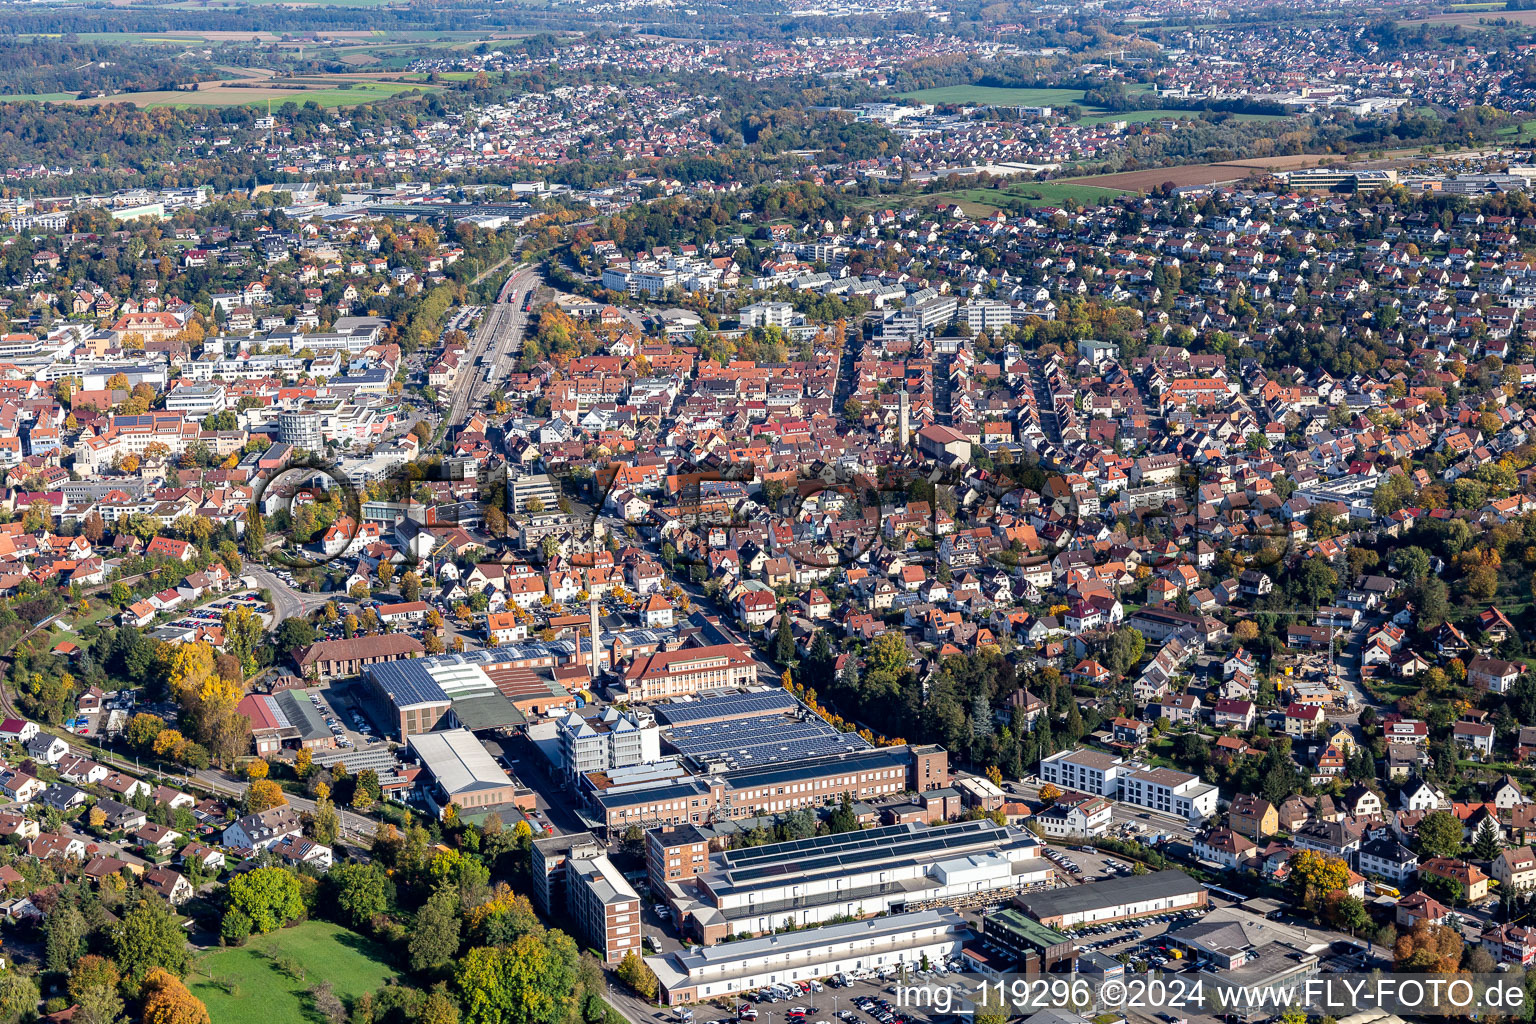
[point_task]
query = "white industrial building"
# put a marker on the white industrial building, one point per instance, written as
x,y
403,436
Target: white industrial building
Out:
x,y
708,972
857,874
607,740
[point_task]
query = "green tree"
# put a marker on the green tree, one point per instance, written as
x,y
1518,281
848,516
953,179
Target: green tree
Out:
x,y
96,1003
1348,914
18,996
270,897
439,1008
843,818
1439,835
435,937
64,932
1432,600
150,936
294,634
637,974
1124,650
358,892
325,826
527,982
255,532
784,641
143,728
1485,843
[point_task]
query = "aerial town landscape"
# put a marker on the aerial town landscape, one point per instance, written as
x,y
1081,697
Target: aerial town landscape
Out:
x,y
885,511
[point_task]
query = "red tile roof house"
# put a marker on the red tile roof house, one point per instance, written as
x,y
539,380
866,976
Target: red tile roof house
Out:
x,y
155,838
140,613
17,730
170,884
125,786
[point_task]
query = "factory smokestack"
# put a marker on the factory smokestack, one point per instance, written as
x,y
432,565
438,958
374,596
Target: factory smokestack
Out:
x,y
593,628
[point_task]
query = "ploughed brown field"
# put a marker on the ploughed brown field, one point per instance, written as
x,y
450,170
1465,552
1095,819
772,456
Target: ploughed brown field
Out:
x,y
1197,174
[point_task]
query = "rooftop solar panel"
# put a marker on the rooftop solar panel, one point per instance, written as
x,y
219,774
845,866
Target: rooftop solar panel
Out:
x,y
734,704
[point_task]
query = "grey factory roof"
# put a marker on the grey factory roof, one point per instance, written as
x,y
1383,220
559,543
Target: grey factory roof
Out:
x,y
851,852
487,711
648,795
458,761
752,742
769,775
1109,893
748,950
729,705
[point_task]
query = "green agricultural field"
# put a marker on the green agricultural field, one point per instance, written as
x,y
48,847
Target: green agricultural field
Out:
x,y
37,97
243,985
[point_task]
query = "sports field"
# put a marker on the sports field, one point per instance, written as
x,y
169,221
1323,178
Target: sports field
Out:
x,y
246,985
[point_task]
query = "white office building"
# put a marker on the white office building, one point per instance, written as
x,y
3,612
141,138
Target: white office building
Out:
x,y
611,739
1170,792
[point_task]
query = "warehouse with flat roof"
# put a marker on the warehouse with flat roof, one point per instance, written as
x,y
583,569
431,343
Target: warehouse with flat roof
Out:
x,y
463,774
729,968
856,874
1114,899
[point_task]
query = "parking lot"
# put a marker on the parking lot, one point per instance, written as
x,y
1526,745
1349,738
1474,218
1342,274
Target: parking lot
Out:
x,y
343,716
1143,939
1076,865
212,613
869,999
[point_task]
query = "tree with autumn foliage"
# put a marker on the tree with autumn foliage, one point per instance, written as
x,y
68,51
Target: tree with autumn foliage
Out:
x,y
168,1001
1313,876
1428,949
209,701
263,795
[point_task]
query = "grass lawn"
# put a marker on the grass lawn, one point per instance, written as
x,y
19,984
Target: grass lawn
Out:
x,y
1015,198
244,986
1056,192
39,97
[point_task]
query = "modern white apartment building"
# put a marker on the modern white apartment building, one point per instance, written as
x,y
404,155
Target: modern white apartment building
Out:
x,y
1084,771
1157,789
1170,792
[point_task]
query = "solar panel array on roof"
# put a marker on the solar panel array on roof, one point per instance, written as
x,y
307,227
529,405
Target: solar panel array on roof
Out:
x,y
897,842
279,719
757,776
379,759
732,705
746,742
407,682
